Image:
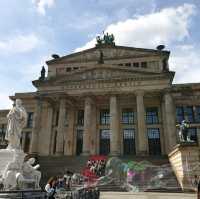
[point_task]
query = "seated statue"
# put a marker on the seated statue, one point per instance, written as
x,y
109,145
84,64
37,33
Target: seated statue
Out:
x,y
31,172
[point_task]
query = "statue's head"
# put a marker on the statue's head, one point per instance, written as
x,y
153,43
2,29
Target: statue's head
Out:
x,y
18,102
31,161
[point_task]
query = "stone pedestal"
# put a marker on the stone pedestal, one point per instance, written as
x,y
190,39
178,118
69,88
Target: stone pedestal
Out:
x,y
6,156
185,161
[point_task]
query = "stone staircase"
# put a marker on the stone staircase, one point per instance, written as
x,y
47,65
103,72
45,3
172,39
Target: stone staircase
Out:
x,y
55,165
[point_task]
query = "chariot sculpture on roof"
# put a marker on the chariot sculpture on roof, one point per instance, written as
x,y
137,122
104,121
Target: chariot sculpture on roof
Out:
x,y
105,39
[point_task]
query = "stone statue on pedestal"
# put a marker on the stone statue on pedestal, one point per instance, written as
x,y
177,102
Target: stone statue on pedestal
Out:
x,y
17,119
14,172
183,132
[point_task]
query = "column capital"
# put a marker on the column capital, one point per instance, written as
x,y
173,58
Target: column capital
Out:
x,y
89,100
139,92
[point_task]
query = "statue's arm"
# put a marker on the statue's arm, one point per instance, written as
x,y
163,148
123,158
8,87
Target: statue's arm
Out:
x,y
36,167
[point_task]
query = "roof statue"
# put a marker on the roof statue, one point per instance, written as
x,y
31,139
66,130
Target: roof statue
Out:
x,y
101,61
106,39
43,71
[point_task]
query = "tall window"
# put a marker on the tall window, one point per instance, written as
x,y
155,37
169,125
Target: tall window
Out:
x,y
189,114
2,132
144,64
129,141
152,115
154,141
104,117
27,141
104,141
197,111
30,120
127,116
80,118
79,142
185,113
57,117
179,114
3,142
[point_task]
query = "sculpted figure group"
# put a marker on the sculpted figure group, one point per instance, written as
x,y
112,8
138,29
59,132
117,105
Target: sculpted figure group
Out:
x,y
106,39
18,173
183,132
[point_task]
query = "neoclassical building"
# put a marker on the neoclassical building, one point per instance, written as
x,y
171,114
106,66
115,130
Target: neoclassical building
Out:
x,y
111,100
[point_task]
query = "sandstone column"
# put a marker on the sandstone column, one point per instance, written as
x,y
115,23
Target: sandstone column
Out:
x,y
61,126
114,127
142,135
36,127
47,130
70,132
87,126
93,135
170,120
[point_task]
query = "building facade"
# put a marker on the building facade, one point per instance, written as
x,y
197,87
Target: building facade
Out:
x,y
110,100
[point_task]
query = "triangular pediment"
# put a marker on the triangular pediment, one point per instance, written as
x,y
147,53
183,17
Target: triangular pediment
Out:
x,y
109,53
104,72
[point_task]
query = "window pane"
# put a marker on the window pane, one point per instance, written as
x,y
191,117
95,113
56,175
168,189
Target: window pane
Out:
x,y
197,113
129,134
179,114
152,115
105,133
80,117
104,117
189,115
30,120
127,117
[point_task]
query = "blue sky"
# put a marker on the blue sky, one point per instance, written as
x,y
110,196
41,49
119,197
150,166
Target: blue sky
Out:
x,y
32,30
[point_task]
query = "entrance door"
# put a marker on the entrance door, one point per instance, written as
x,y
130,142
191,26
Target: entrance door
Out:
x,y
104,141
79,142
154,141
129,141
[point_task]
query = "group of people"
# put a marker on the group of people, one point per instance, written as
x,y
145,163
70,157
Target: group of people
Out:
x,y
97,166
58,182
63,183
85,193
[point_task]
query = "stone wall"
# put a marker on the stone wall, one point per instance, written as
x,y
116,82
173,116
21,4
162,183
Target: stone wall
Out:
x,y
185,161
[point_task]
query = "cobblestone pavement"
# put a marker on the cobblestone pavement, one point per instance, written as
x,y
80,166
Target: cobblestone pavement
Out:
x,y
142,195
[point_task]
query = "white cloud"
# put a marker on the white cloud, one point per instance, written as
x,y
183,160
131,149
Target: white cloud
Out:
x,y
19,44
166,26
186,62
43,4
6,103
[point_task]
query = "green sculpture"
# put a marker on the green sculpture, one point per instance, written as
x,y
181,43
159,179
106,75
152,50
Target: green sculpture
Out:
x,y
106,39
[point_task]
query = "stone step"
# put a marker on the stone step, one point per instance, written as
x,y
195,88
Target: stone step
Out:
x,y
54,165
